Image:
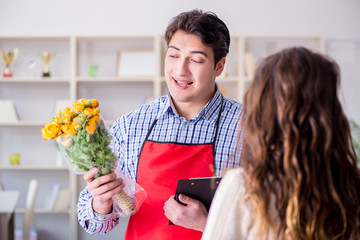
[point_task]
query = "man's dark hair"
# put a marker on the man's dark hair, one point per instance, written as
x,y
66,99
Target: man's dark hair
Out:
x,y
207,26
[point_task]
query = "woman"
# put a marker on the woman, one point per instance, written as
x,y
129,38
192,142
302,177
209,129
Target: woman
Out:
x,y
300,178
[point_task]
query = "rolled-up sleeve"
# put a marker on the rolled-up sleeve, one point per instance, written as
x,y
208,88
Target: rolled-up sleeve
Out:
x,y
91,221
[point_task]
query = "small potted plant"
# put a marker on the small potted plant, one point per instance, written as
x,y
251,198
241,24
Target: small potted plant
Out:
x,y
355,132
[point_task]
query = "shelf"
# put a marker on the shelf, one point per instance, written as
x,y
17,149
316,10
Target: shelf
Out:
x,y
107,37
34,80
22,124
117,79
34,167
42,211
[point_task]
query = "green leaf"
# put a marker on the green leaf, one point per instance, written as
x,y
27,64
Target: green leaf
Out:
x,y
89,151
355,132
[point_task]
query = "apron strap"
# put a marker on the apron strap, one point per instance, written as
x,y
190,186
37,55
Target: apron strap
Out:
x,y
142,146
213,143
218,120
216,133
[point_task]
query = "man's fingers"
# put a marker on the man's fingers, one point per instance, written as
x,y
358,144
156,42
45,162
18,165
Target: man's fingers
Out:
x,y
106,195
104,186
105,179
112,187
89,175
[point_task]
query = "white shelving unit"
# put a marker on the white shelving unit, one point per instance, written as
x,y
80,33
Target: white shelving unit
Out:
x,y
35,99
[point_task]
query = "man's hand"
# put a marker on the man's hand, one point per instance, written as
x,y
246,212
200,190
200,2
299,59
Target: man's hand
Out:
x,y
103,189
193,215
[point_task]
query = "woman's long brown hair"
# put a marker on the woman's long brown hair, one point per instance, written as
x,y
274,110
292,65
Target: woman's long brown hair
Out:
x,y
298,149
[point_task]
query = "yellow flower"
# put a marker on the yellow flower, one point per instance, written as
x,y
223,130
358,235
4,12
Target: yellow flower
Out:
x,y
91,126
96,111
68,117
95,118
88,112
78,107
50,130
76,126
65,110
82,100
80,120
68,129
59,119
94,103
69,120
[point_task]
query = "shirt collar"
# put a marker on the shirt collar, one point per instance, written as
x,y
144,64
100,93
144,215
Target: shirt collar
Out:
x,y
210,110
165,106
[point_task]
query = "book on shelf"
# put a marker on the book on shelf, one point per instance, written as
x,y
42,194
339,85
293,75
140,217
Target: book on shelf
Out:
x,y
62,200
128,62
50,203
250,65
8,112
59,199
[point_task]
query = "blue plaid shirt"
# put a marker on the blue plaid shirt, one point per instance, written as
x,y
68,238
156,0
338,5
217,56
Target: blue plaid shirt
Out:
x,y
130,131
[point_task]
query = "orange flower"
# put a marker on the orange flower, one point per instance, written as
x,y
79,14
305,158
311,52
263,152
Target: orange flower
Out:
x,y
96,111
65,110
68,117
88,112
95,118
79,120
51,130
69,120
68,129
91,126
58,119
76,126
78,106
94,103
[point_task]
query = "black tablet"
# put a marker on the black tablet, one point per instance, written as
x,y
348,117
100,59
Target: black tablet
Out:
x,y
202,189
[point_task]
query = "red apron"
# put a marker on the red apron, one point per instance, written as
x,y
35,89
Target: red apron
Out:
x,y
160,166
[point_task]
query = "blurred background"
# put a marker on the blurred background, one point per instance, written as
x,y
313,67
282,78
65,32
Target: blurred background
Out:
x,y
337,22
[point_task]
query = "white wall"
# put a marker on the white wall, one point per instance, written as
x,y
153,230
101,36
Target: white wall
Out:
x,y
337,21
331,18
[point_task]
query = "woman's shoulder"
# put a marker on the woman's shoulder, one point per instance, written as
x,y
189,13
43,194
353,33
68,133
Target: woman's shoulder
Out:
x,y
224,221
233,180
235,172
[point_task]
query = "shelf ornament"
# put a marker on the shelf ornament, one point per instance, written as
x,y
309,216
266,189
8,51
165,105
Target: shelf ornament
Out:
x,y
14,159
8,58
84,140
46,57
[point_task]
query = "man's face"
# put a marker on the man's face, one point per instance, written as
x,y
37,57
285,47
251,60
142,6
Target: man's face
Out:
x,y
189,70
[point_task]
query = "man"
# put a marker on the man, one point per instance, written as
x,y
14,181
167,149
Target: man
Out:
x,y
191,132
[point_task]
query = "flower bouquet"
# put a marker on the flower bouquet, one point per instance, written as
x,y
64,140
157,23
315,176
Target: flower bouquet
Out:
x,y
84,140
